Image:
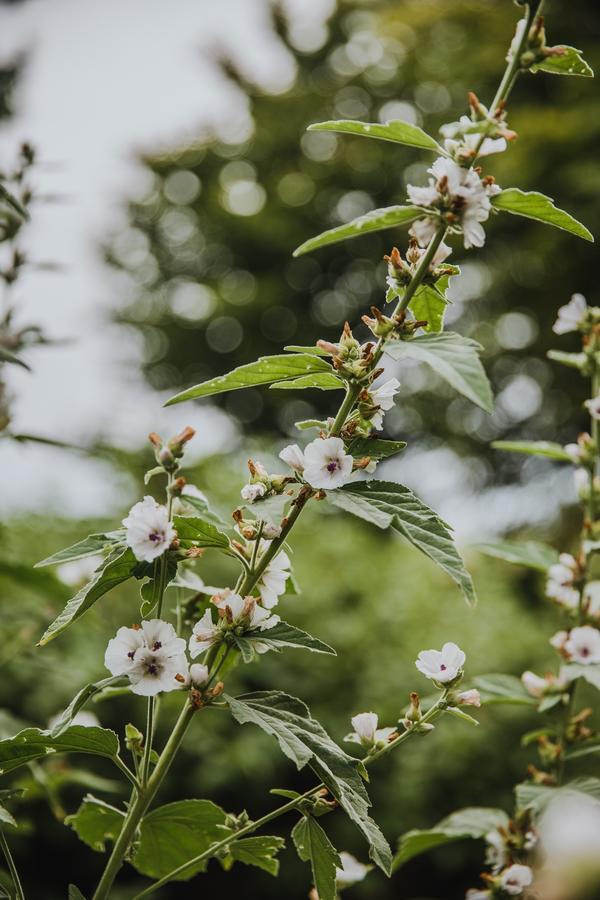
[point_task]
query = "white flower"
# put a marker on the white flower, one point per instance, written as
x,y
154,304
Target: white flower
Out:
x,y
469,698
462,143
352,871
570,315
274,579
326,463
569,831
559,585
583,482
591,597
533,684
515,879
496,855
252,492
575,452
149,532
583,645
270,531
516,41
442,666
293,456
366,731
151,656
593,407
383,397
204,634
559,639
245,611
198,674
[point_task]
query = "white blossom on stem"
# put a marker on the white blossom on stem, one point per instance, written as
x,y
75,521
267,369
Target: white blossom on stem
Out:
x,y
559,585
471,697
460,142
515,879
593,407
252,492
326,463
198,674
274,579
366,731
583,645
293,457
534,684
148,530
204,634
443,665
383,397
151,655
571,315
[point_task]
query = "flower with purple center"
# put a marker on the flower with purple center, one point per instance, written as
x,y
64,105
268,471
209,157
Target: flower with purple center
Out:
x,y
442,666
326,463
151,655
148,530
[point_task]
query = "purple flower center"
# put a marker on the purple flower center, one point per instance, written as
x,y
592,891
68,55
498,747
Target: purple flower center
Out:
x,y
152,669
443,667
157,645
131,654
156,536
585,651
332,465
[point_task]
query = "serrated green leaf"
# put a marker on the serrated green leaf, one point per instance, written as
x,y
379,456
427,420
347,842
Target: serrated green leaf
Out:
x,y
258,851
534,448
173,834
32,743
96,822
199,533
390,505
376,220
89,546
532,554
376,448
79,701
429,304
313,845
119,566
303,740
395,130
473,822
501,688
570,62
324,381
265,370
454,358
6,356
276,638
534,205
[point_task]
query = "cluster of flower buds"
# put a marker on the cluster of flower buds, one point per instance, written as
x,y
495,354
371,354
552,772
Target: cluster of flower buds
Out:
x,y
170,452
479,134
535,49
510,882
261,484
401,271
236,615
349,357
583,453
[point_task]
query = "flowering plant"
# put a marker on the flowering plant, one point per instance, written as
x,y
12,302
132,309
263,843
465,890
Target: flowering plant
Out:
x,y
161,544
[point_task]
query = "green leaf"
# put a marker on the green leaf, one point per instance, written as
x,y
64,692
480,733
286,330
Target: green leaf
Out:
x,y
537,796
312,350
6,356
173,834
96,822
264,370
532,554
202,506
590,673
303,740
258,851
455,359
534,448
199,533
314,846
32,743
473,822
325,381
75,893
395,130
534,205
305,424
119,566
429,303
90,546
588,749
503,689
80,699
570,62
376,220
390,505
280,636
376,448
6,818
571,360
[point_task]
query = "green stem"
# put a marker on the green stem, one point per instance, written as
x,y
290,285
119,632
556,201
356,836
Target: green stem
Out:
x,y
148,740
126,771
141,802
292,805
19,894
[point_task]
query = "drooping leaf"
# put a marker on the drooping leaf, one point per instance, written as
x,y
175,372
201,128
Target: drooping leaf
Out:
x,y
313,845
390,505
395,130
534,448
532,554
376,448
534,205
173,834
376,220
303,740
80,699
502,688
96,822
89,546
277,638
537,796
6,818
32,743
265,370
455,359
199,533
6,356
473,822
569,62
322,381
117,568
259,851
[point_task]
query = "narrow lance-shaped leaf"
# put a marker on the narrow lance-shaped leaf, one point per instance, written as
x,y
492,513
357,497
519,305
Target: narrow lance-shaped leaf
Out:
x,y
303,740
568,61
80,700
532,554
314,846
534,448
32,743
119,566
89,546
322,381
6,356
534,205
473,822
265,370
454,358
397,131
279,637
390,505
376,220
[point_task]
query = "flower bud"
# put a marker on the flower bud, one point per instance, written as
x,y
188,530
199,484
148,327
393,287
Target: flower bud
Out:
x,y
198,674
134,739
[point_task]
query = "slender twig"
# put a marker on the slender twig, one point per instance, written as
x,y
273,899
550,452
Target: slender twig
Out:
x,y
19,894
